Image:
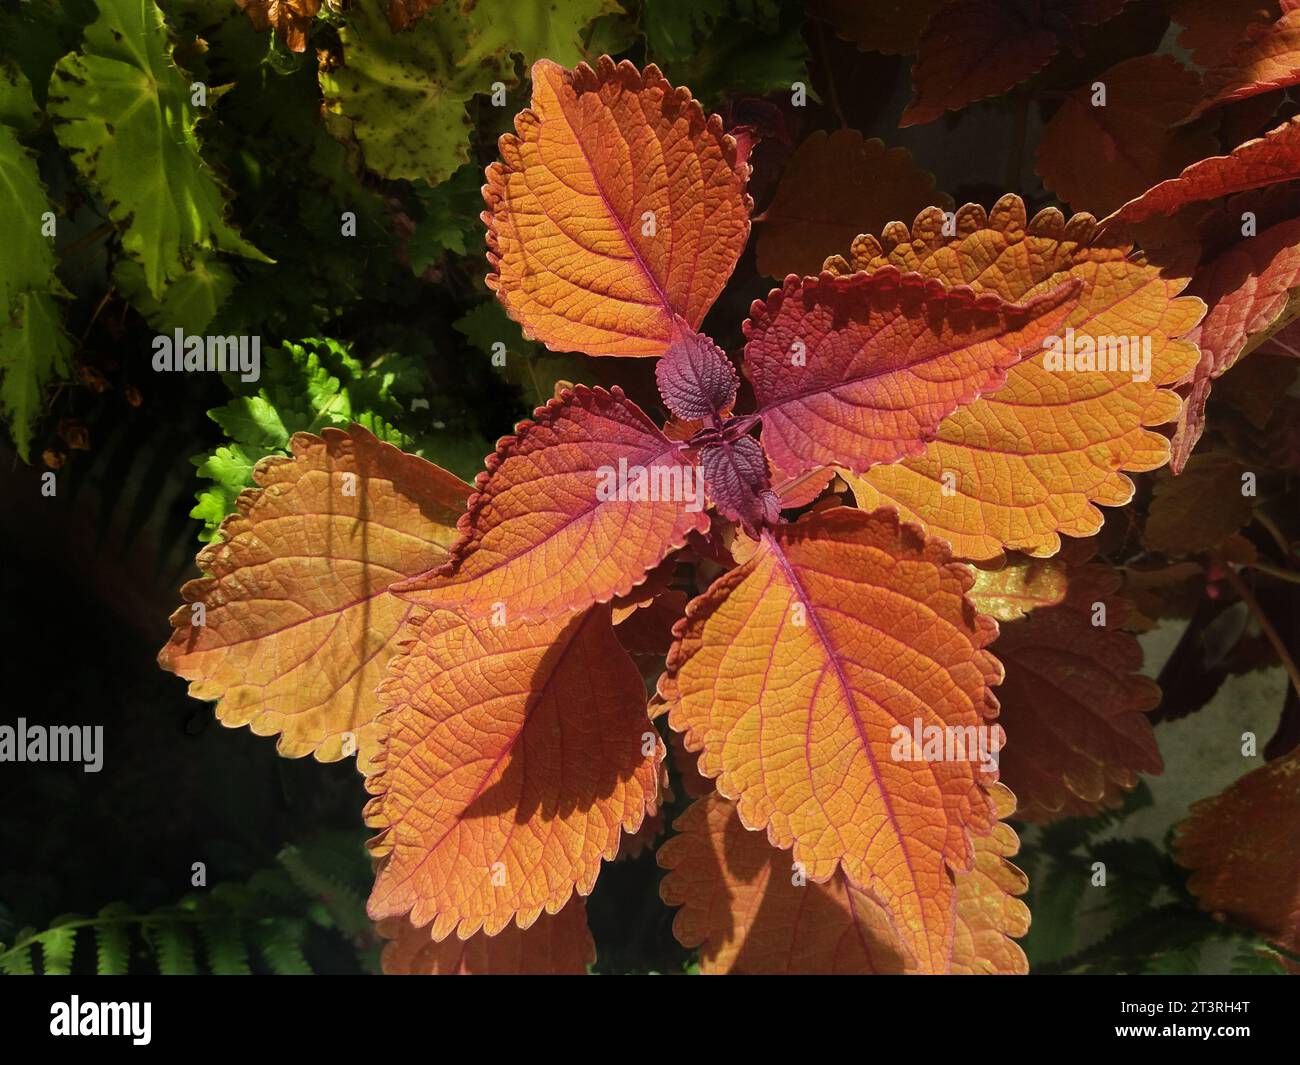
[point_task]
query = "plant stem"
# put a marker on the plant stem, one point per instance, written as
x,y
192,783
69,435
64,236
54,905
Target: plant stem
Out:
x,y
1266,626
1271,527
1274,571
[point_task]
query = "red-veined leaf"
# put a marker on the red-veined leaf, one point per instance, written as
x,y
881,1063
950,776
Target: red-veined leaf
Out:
x,y
860,370
618,205
648,630
1073,705
558,945
1096,158
695,378
1212,28
1022,585
889,26
573,509
1250,291
789,675
834,187
1017,468
736,474
1243,847
1267,58
514,758
1263,161
1199,509
972,49
745,905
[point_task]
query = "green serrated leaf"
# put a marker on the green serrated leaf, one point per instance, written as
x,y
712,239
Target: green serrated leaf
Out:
x,y
189,302
27,261
38,33
1057,892
536,31
725,47
671,26
304,388
35,350
252,419
533,369
342,906
120,103
404,94
17,103
450,219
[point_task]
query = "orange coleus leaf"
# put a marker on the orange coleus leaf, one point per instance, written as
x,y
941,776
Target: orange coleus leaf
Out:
x,y
618,205
289,18
1263,161
292,626
799,491
790,674
573,509
861,370
645,837
1256,386
1243,847
1212,28
514,758
972,49
556,945
746,906
1250,291
889,26
1073,705
1266,58
834,187
1199,509
1098,157
1025,464
687,764
648,630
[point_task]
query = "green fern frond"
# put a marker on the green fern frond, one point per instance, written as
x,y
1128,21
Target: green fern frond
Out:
x,y
344,908
112,941
58,944
280,943
261,925
17,960
172,947
223,946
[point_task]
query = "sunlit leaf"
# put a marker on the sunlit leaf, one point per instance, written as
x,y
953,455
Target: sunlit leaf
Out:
x,y
573,509
558,945
587,259
790,674
1021,467
292,626
860,370
515,756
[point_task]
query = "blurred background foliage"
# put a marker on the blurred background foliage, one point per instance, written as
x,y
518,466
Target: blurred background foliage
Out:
x,y
322,193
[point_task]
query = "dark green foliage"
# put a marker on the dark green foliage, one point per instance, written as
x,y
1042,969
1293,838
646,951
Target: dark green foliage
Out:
x,y
266,925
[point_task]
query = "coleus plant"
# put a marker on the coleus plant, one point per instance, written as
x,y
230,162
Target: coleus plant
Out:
x,y
474,647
